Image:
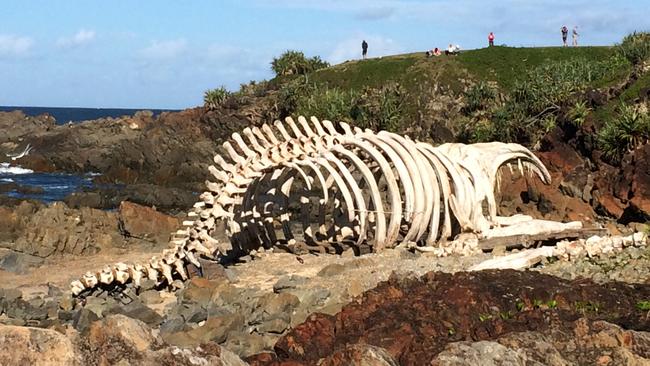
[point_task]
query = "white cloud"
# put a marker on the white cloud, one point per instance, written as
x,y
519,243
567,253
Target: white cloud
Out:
x,y
11,45
82,37
350,48
165,49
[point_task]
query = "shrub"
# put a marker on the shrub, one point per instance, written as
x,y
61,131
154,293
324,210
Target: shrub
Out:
x,y
254,88
625,132
635,47
551,85
295,63
477,97
578,113
381,108
328,103
214,98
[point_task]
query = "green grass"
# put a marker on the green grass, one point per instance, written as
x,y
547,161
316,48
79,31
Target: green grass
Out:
x,y
505,64
500,64
375,72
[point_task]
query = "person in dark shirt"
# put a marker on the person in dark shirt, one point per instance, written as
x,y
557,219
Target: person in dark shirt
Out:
x,y
565,33
364,49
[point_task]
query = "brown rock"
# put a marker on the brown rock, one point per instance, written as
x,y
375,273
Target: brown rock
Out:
x,y
311,340
414,319
119,328
215,329
35,346
146,223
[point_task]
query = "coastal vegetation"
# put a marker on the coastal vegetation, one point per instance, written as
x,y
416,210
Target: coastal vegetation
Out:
x,y
296,63
214,98
510,94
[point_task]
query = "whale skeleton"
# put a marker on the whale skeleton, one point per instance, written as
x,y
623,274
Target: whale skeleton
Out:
x,y
24,153
342,185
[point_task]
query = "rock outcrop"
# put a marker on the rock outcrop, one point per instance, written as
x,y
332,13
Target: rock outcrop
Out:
x,y
42,231
115,340
419,320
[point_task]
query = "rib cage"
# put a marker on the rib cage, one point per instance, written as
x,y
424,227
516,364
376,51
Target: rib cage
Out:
x,y
355,185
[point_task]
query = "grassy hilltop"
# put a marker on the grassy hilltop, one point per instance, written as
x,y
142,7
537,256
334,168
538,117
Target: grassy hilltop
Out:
x,y
497,93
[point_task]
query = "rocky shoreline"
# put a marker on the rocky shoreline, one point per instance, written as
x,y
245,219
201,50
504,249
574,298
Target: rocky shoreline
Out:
x,y
275,310
278,308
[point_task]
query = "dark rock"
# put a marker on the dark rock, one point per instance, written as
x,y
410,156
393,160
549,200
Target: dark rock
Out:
x,y
272,305
172,325
139,311
66,315
215,329
192,313
83,318
545,206
150,297
18,262
276,325
288,283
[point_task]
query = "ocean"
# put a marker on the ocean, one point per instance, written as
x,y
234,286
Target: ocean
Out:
x,y
64,115
55,186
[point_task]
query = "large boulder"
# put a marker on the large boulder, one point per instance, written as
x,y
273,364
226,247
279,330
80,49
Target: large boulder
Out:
x,y
118,339
146,223
35,346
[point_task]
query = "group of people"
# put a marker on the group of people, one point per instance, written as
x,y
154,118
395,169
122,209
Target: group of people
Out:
x,y
455,49
565,33
451,50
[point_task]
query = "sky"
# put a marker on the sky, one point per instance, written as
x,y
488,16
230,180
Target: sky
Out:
x,y
166,53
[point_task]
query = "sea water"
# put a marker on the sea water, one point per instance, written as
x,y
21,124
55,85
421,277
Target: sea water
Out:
x,y
64,115
55,185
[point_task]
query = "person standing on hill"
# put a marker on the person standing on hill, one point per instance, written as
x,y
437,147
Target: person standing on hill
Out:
x,y
575,36
491,39
565,33
364,49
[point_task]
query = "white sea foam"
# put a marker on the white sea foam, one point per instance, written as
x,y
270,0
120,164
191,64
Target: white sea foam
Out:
x,y
57,187
9,180
5,168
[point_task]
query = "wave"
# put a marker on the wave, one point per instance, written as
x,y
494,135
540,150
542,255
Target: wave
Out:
x,y
5,168
56,187
8,180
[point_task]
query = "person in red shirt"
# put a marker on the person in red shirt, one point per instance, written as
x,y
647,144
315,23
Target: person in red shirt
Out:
x,y
491,39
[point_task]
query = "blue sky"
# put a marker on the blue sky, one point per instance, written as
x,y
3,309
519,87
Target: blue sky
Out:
x,y
165,54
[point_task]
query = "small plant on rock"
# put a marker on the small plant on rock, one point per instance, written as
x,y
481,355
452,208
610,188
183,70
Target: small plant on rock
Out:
x,y
643,305
214,98
630,129
484,317
578,113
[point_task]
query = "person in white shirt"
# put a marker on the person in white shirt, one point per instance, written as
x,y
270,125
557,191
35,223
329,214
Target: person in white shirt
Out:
x,y
575,36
